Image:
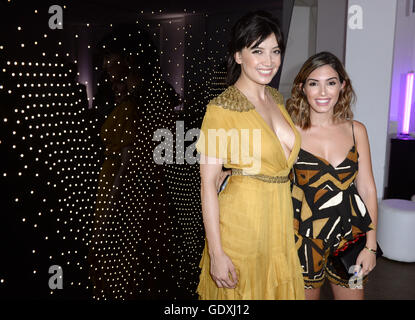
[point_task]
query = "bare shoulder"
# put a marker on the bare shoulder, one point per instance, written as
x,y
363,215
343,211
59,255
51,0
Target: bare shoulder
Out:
x,y
360,133
359,128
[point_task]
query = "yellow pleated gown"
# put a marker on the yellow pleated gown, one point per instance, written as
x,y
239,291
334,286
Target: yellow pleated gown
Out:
x,y
256,216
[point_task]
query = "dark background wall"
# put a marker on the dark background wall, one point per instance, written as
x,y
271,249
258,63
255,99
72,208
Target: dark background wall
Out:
x,y
51,151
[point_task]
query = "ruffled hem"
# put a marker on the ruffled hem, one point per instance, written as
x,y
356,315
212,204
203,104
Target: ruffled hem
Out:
x,y
281,280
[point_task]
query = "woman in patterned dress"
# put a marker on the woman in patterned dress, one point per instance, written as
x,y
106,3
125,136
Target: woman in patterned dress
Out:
x,y
334,192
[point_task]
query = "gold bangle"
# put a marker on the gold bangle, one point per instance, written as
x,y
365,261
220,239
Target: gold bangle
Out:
x,y
371,250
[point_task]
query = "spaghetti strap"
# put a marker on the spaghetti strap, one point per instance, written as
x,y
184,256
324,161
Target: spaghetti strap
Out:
x,y
354,141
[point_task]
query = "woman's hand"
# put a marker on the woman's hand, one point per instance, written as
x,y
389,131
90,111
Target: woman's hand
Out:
x,y
223,271
367,260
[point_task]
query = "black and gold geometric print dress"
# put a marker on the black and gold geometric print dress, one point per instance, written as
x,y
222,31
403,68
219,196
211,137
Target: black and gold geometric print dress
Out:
x,y
328,212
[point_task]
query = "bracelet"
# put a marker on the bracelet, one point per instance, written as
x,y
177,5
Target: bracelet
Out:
x,y
371,250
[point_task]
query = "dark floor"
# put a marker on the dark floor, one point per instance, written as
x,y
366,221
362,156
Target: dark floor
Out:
x,y
390,280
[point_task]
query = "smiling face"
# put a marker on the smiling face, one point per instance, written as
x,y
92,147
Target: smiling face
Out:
x,y
322,88
260,64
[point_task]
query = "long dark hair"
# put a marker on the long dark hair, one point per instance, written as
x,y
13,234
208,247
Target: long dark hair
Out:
x,y
298,106
250,31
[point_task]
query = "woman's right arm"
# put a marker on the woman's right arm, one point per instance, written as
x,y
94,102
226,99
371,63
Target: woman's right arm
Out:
x,y
221,265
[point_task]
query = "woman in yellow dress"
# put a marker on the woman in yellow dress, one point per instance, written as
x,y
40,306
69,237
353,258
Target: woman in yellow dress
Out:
x,y
250,251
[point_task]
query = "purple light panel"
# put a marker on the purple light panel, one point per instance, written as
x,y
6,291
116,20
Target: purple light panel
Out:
x,y
408,102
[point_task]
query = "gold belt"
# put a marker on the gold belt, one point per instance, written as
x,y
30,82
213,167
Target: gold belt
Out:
x,y
262,177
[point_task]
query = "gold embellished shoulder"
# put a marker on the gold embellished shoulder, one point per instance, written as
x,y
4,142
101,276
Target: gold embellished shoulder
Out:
x,y
277,95
233,99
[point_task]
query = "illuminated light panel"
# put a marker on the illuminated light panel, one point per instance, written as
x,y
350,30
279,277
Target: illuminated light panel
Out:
x,y
52,118
408,102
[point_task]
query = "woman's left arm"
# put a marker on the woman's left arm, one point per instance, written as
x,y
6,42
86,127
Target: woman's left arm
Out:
x,y
366,187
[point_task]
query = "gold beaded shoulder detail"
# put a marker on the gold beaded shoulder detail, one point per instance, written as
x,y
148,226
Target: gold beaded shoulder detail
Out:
x,y
233,99
277,95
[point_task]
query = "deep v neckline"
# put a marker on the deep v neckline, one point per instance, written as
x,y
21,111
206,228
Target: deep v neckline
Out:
x,y
325,161
272,132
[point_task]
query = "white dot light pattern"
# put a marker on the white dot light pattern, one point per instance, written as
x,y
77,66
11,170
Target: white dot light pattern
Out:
x,y
84,182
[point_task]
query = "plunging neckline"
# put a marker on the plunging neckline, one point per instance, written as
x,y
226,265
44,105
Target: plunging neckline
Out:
x,y
325,161
267,126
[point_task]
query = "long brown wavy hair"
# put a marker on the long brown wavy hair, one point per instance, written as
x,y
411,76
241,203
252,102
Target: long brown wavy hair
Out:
x,y
298,106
